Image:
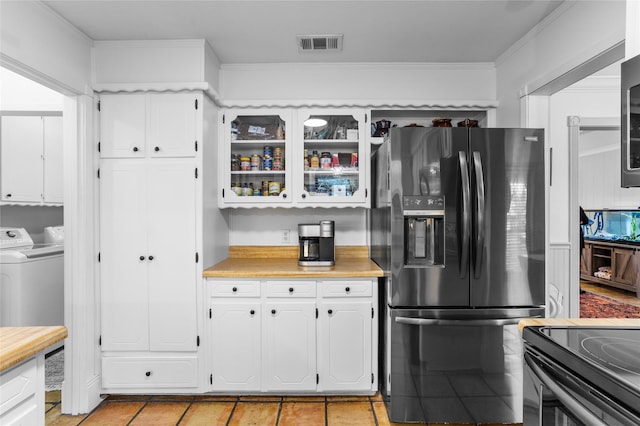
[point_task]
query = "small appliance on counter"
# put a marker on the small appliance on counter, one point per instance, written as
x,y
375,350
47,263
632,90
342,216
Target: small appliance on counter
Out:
x,y
317,246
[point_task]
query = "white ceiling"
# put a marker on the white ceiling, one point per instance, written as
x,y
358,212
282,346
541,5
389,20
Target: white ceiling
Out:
x,y
264,31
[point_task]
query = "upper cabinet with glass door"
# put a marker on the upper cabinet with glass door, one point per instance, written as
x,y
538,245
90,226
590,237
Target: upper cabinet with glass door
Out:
x,y
332,158
255,165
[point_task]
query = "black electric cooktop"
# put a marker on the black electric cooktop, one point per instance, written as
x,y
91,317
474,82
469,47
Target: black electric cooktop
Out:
x,y
607,357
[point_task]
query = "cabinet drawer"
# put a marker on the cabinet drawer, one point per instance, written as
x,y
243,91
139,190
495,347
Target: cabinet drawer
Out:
x,y
291,289
347,288
235,288
140,372
17,385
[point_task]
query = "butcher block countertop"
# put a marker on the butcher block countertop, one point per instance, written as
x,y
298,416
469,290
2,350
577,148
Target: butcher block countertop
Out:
x,y
20,343
282,262
593,322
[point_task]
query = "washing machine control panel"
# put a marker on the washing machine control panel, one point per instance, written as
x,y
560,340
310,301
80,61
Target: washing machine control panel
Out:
x,y
14,237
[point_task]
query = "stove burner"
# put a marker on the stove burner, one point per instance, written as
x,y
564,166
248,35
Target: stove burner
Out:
x,y
617,352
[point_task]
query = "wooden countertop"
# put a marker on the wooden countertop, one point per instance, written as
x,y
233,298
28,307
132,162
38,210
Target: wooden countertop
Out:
x,y
594,322
282,262
20,343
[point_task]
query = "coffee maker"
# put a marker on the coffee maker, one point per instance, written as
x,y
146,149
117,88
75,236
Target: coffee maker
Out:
x,y
317,247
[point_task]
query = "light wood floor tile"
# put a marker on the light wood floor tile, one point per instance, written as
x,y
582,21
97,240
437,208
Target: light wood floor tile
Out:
x,y
161,413
221,398
247,413
304,398
345,398
207,413
261,398
350,414
174,398
302,413
54,417
111,413
53,396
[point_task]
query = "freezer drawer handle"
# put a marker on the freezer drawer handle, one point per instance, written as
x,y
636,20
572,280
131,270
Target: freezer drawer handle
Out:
x,y
465,322
577,409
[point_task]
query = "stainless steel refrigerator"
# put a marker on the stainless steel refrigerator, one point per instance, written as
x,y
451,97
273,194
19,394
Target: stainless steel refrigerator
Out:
x,y
458,226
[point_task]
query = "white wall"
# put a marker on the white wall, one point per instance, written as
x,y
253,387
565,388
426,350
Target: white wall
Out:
x,y
265,226
572,35
355,84
21,94
38,40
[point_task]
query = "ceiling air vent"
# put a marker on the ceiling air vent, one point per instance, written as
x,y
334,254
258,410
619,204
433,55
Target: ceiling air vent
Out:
x,y
325,43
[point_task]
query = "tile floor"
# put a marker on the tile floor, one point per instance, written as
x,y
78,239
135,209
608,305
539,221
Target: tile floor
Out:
x,y
227,411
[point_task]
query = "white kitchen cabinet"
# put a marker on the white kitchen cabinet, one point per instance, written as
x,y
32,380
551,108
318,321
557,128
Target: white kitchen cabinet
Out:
x,y
264,147
345,323
255,158
335,177
31,160
156,125
290,345
236,311
147,255
311,336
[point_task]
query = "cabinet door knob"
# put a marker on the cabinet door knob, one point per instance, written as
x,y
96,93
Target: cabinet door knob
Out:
x,y
135,149
304,195
347,289
8,195
156,149
234,289
141,257
290,289
330,311
273,311
150,257
284,195
252,312
148,373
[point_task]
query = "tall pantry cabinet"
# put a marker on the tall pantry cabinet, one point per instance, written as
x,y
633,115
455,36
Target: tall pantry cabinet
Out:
x,y
150,240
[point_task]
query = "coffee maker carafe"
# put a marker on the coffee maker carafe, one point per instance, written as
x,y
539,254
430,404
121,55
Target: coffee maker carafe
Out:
x,y
317,246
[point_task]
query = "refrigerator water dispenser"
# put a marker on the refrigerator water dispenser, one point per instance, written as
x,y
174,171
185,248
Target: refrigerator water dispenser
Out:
x,y
423,231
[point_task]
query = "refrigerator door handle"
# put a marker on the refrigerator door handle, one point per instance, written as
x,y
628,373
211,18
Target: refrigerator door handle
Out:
x,y
464,322
465,235
479,216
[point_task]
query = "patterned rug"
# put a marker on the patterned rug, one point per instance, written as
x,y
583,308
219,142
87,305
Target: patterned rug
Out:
x,y
54,370
595,306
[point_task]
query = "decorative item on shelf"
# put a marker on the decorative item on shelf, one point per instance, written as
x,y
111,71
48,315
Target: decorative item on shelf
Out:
x,y
441,122
468,123
413,125
381,128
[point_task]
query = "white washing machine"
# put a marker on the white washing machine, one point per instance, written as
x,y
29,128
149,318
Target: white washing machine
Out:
x,y
31,280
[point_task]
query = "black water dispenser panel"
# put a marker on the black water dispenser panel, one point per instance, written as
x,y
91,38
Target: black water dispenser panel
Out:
x,y
423,231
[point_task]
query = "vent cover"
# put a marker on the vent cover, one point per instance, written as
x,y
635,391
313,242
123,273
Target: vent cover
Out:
x,y
308,43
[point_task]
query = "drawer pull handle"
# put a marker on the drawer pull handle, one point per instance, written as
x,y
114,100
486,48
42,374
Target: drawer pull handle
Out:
x,y
234,289
290,289
347,289
150,257
141,257
156,149
273,312
330,311
252,312
148,373
135,149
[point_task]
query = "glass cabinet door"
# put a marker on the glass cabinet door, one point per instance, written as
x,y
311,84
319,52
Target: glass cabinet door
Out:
x,y
258,165
332,148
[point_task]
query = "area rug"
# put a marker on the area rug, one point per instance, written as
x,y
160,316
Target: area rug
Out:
x,y
54,371
595,306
